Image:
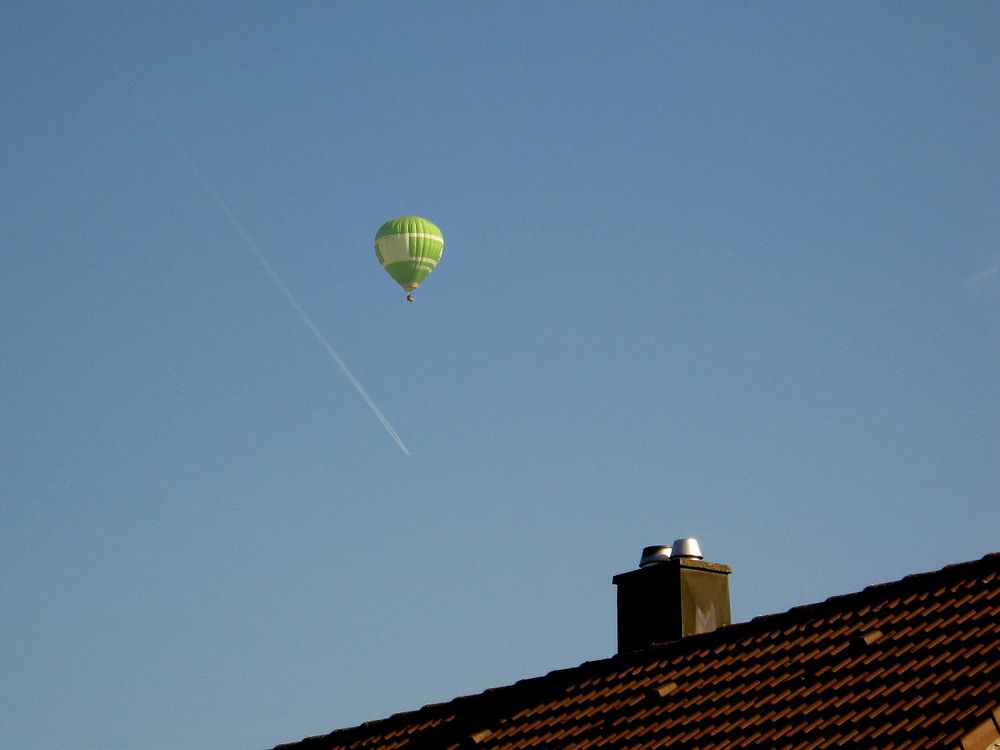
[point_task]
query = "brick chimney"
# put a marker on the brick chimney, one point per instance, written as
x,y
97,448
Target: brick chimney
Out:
x,y
673,594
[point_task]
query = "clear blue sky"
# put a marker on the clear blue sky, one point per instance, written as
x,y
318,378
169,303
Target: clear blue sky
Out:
x,y
711,269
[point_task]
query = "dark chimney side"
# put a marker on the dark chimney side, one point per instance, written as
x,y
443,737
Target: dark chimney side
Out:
x,y
668,598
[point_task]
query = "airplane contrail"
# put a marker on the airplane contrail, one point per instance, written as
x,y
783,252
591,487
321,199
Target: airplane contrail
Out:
x,y
251,245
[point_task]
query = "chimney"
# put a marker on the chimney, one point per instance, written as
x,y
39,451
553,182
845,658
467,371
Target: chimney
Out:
x,y
674,593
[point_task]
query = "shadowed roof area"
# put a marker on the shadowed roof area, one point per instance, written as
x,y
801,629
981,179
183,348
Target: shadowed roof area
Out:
x,y
913,663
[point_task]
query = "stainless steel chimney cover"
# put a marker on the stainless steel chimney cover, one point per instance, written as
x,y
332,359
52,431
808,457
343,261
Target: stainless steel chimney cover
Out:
x,y
687,547
652,555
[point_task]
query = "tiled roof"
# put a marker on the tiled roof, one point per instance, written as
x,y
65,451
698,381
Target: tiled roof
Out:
x,y
909,664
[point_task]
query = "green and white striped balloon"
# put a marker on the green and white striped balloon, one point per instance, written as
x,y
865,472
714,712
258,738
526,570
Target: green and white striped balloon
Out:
x,y
409,248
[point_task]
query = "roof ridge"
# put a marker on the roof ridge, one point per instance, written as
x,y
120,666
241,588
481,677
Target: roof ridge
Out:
x,y
911,580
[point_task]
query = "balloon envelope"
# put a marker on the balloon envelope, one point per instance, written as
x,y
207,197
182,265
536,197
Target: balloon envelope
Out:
x,y
409,248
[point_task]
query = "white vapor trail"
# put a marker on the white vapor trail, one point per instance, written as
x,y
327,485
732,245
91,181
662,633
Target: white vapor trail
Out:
x,y
978,278
237,225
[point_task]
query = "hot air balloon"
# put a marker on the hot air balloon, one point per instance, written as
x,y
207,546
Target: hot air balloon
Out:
x,y
408,248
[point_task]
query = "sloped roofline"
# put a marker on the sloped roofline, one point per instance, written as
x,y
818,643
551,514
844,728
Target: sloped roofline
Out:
x,y
505,698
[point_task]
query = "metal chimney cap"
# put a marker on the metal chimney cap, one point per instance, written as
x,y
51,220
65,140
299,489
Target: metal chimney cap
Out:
x,y
652,555
687,547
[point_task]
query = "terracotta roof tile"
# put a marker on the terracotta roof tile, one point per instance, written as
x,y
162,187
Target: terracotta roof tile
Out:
x,y
912,663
